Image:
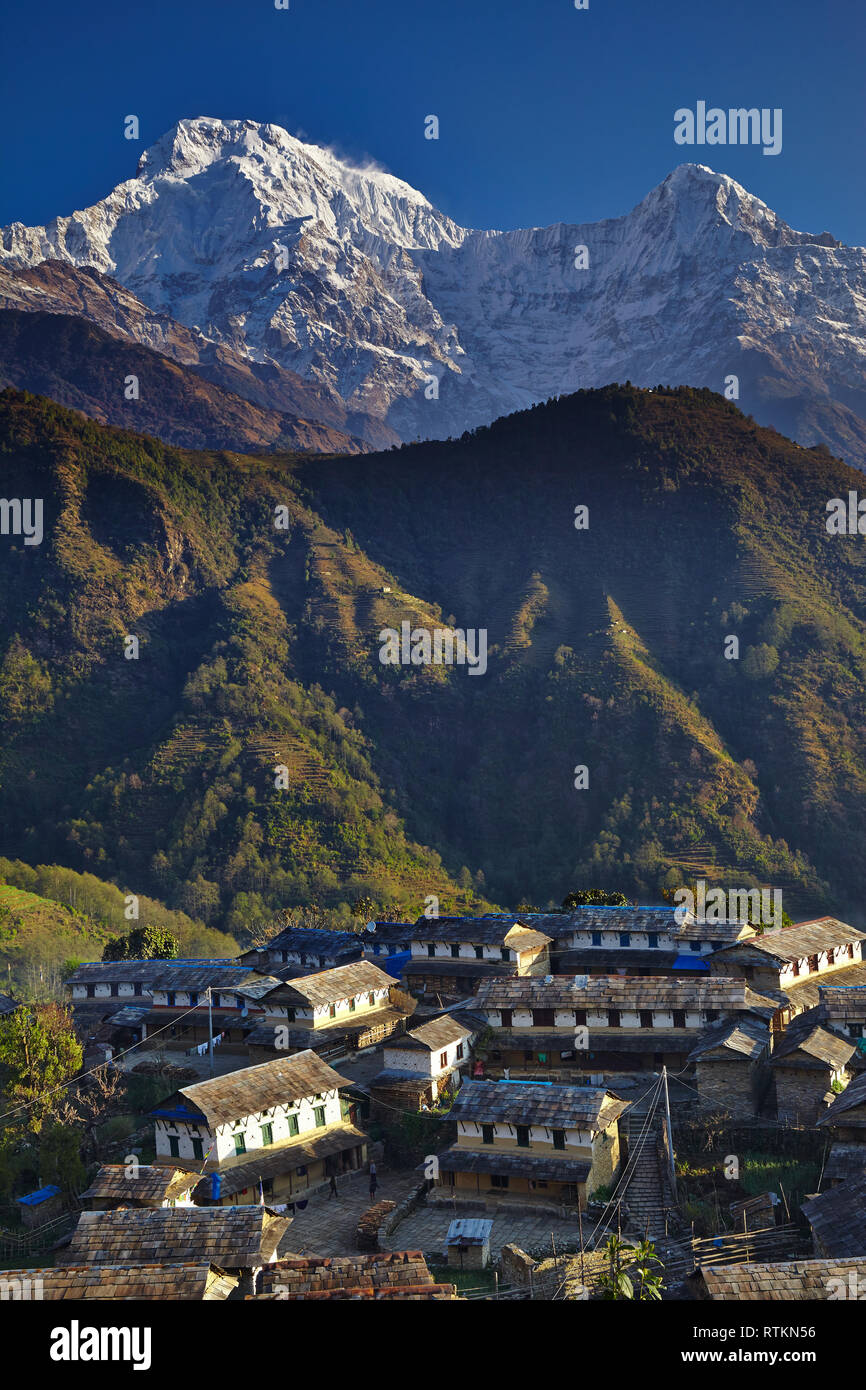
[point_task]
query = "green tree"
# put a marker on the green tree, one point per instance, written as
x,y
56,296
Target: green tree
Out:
x,y
143,943
594,897
38,1053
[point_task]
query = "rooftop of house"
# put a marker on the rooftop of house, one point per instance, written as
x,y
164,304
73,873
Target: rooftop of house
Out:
x,y
838,1218
517,936
314,941
8,1005
541,1167
801,940
254,1089
533,1103
845,1161
806,1042
122,1281
793,1281
230,1237
143,1184
327,1034
843,1003
438,1033
743,1035
805,992
848,1110
626,992
331,986
468,1230
192,974
399,1274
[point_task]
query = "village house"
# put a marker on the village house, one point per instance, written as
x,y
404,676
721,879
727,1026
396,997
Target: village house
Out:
x,y
239,1240
531,1142
838,1220
275,1131
789,1282
139,1185
589,1027
423,1064
730,1065
8,1005
845,1118
386,941
333,1012
450,956
797,960
303,949
387,1276
110,1283
639,941
808,1064
177,999
843,1007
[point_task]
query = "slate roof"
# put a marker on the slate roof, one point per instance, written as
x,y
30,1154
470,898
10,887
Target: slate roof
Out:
x,y
481,930
843,1004
806,993
311,941
230,1237
525,1102
440,1033
120,1282
848,1109
802,939
794,1281
187,972
145,1186
838,1218
327,1034
626,992
401,1274
402,1082
129,1016
744,1036
806,1043
285,1157
253,1089
845,1161
8,1005
330,986
660,921
528,1165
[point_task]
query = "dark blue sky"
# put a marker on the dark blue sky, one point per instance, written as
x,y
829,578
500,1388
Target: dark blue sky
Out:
x,y
547,113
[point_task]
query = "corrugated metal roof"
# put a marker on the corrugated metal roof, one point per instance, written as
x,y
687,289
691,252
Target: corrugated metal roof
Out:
x,y
469,1231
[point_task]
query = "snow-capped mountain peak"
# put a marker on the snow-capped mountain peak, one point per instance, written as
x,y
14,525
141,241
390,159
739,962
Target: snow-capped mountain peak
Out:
x,y
288,254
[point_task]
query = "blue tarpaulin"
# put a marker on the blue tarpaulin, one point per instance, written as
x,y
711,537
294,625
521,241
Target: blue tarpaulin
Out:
x,y
44,1194
394,964
690,962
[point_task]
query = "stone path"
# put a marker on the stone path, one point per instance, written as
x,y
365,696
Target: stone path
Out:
x,y
426,1228
328,1228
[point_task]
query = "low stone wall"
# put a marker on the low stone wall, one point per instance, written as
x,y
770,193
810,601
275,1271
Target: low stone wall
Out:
x,y
403,1209
542,1279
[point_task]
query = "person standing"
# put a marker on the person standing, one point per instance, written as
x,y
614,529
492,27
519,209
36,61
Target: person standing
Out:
x,y
374,1182
332,1190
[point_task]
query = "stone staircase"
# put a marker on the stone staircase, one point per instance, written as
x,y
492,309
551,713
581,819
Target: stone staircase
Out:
x,y
648,1194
